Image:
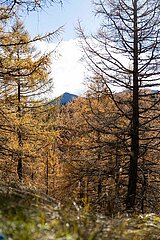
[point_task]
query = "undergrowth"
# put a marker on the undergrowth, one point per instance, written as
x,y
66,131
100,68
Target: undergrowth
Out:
x,y
28,218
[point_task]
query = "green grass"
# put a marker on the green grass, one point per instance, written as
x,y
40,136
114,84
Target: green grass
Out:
x,y
24,217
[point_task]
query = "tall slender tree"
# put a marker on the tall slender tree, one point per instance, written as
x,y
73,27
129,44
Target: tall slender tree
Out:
x,y
126,52
25,75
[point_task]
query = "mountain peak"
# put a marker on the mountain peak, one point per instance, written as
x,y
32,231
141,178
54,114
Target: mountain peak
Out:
x,y
64,99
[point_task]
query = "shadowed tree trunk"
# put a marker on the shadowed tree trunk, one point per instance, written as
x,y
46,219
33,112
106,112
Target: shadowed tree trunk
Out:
x,y
132,185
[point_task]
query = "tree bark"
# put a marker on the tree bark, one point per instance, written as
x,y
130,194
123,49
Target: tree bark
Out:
x,y
132,184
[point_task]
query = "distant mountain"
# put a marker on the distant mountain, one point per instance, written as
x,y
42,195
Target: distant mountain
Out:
x,y
63,99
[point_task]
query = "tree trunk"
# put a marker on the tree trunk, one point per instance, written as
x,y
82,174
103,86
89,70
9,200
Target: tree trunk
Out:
x,y
19,165
47,174
132,184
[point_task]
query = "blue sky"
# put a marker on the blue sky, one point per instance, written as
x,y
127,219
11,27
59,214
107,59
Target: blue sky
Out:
x,y
68,72
51,18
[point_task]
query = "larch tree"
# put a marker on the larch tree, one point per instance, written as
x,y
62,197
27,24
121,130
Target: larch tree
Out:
x,y
86,152
125,51
24,78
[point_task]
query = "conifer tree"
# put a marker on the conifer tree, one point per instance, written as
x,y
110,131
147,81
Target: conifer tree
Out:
x,y
126,53
24,77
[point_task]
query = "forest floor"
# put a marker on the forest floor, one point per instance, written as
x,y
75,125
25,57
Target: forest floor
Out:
x,y
28,217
